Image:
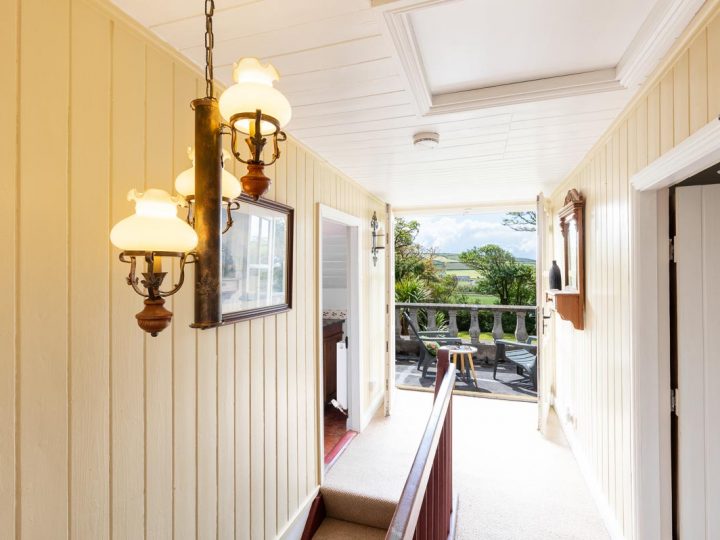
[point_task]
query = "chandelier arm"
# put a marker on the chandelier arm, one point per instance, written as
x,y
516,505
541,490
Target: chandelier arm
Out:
x,y
185,258
233,145
231,205
278,136
132,278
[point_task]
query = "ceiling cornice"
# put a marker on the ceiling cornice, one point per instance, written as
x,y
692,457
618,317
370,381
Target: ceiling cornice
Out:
x,y
665,23
662,27
509,94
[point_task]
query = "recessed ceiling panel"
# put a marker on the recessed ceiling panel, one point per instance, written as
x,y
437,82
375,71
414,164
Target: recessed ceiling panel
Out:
x,y
471,44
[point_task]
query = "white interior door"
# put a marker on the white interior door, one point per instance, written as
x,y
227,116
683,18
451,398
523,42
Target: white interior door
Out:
x,y
697,255
544,358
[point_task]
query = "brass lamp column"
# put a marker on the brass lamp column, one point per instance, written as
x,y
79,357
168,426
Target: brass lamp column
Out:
x,y
208,210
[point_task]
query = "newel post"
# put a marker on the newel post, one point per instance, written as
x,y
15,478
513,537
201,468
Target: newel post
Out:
x,y
443,363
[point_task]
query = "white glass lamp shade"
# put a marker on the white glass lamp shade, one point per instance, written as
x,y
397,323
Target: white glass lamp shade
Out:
x,y
253,90
154,226
185,181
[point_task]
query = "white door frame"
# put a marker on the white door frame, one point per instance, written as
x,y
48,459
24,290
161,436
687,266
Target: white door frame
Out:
x,y
650,325
389,310
353,323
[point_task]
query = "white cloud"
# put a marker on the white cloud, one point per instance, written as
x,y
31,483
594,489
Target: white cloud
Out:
x,y
458,233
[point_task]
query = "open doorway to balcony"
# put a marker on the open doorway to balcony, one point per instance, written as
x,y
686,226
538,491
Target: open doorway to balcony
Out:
x,y
468,280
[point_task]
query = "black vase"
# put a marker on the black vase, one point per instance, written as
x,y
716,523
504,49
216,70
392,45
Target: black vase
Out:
x,y
555,277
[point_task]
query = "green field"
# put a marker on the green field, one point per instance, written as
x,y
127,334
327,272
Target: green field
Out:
x,y
482,298
469,272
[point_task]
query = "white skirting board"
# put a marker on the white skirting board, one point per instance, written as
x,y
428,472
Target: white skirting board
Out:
x,y
606,513
370,412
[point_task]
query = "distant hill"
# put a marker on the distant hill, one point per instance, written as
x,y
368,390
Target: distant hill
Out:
x,y
455,257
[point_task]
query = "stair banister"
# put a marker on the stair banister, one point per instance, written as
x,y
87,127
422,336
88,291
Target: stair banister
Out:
x,y
425,510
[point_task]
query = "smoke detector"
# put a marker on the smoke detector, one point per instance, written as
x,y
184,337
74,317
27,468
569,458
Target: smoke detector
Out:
x,y
426,139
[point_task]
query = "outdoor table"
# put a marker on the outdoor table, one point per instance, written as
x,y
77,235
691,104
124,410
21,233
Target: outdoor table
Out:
x,y
462,351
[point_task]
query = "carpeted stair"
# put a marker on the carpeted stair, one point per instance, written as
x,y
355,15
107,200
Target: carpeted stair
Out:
x,y
362,489
337,529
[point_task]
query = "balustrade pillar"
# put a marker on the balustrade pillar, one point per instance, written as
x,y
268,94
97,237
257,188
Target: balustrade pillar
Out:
x,y
452,324
497,331
521,333
414,317
431,323
398,322
474,327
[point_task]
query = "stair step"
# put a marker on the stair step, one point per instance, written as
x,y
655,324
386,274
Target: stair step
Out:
x,y
337,529
358,508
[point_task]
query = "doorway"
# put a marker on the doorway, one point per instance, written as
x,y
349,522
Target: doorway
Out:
x,y
339,362
695,362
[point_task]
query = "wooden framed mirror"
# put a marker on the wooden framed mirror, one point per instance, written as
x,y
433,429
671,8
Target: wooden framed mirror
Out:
x,y
570,302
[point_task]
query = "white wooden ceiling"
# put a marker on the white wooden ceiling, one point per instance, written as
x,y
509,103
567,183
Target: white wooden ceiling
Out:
x,y
518,91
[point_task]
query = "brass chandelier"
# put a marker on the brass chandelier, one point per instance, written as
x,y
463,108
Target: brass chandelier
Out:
x,y
251,109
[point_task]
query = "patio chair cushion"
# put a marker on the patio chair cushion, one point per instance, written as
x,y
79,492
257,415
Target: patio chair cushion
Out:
x,y
432,347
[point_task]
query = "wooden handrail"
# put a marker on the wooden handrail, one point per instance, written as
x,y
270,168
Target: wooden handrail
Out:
x,y
425,507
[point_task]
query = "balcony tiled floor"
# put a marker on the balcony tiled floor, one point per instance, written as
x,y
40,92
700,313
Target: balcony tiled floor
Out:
x,y
508,382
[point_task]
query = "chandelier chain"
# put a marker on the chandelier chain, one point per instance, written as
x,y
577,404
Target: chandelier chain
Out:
x,y
209,44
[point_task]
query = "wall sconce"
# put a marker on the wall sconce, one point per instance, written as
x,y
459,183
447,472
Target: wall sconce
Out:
x,y
154,232
231,189
378,231
251,106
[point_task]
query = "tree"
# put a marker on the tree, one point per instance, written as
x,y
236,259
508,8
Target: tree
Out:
x,y
521,221
501,275
411,259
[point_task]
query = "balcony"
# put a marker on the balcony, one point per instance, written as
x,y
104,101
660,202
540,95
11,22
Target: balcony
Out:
x,y
479,326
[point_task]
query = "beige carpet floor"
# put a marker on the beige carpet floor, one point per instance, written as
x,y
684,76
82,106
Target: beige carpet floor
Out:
x,y
513,483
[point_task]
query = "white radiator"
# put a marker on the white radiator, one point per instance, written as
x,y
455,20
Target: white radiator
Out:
x,y
342,379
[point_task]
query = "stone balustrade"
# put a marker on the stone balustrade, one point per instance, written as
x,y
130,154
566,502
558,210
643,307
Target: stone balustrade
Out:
x,y
452,310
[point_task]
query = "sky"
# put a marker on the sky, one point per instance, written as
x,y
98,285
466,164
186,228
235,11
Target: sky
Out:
x,y
457,233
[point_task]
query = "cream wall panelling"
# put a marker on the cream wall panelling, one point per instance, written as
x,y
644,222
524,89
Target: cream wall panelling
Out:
x,y
613,378
107,432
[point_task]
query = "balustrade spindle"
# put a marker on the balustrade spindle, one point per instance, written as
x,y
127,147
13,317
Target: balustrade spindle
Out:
x,y
474,326
452,324
497,331
431,323
414,317
521,333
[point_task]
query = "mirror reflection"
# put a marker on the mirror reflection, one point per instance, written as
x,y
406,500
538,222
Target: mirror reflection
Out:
x,y
255,260
572,256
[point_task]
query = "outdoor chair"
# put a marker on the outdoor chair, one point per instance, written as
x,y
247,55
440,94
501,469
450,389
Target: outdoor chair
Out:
x,y
522,355
426,357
